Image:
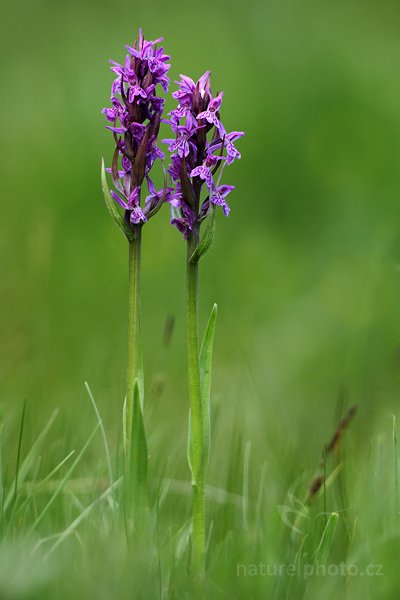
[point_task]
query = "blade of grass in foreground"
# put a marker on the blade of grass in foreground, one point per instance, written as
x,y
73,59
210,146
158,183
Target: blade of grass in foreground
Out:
x,y
32,493
245,495
85,513
21,431
27,463
325,545
105,441
62,483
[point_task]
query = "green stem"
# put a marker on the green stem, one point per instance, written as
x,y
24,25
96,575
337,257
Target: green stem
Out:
x,y
196,413
134,354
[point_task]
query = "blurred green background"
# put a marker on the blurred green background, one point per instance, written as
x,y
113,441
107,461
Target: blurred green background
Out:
x,y
305,271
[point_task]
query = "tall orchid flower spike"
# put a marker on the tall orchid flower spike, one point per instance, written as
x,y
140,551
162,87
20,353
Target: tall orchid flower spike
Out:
x,y
134,119
200,149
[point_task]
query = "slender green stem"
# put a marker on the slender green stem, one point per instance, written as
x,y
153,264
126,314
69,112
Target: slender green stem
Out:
x,y
196,413
134,353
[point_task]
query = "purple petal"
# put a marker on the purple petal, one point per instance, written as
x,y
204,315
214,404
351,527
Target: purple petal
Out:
x,y
224,190
134,197
118,199
116,129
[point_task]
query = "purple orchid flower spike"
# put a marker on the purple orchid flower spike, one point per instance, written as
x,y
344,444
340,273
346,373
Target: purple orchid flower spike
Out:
x,y
200,147
135,116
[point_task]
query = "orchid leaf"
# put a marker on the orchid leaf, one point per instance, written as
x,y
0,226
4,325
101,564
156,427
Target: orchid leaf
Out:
x,y
136,465
205,243
139,442
206,353
112,209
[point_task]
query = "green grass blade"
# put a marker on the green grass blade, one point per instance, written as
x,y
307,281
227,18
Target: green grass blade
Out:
x,y
62,483
32,492
105,441
245,492
206,353
21,431
27,463
325,545
82,516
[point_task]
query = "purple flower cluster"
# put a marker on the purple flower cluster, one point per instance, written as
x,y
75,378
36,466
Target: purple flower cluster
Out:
x,y
201,146
135,117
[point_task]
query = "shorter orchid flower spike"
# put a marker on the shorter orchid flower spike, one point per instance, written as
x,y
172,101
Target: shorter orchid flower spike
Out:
x,y
199,148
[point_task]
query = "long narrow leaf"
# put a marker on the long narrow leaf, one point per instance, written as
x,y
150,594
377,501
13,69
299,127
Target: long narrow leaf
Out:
x,y
139,442
206,353
324,547
136,466
207,239
112,209
140,376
